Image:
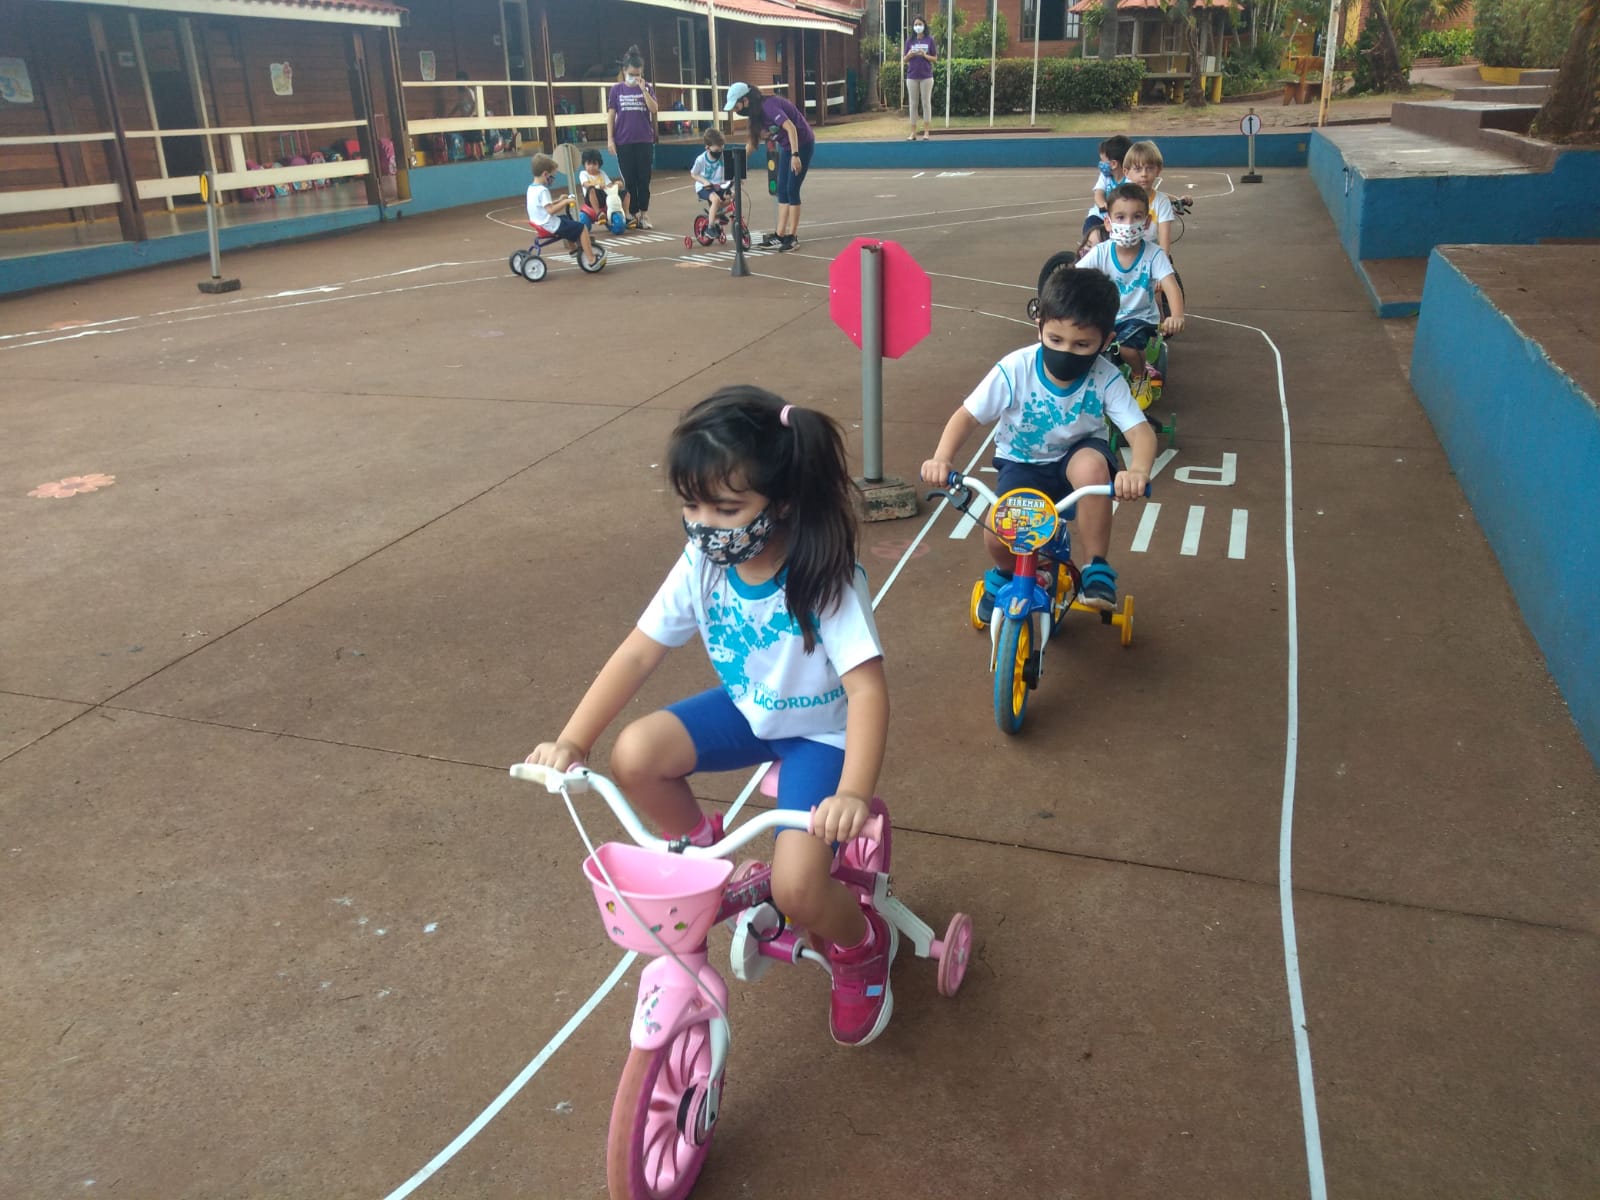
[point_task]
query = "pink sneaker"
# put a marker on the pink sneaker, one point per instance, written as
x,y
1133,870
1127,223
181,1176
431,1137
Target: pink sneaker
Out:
x,y
861,1004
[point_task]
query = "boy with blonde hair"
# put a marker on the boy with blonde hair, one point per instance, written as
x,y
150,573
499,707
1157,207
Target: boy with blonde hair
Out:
x,y
548,223
1142,165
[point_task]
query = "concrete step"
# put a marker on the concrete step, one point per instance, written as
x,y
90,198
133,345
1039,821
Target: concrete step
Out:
x,y
1395,284
1546,77
1389,152
1461,120
1522,94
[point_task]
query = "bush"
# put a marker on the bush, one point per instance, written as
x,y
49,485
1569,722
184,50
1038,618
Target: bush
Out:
x,y
1065,85
1451,45
1242,75
1524,33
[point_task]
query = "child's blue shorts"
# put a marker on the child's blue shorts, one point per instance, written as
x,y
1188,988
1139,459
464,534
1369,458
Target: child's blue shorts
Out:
x,y
566,227
1051,477
724,741
1135,335
706,193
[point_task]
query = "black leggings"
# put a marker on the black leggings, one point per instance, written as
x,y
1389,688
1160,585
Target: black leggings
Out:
x,y
634,160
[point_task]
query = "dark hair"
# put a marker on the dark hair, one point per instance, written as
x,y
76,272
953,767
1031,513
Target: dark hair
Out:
x,y
737,438
1128,191
633,58
1116,148
592,155
1082,297
756,129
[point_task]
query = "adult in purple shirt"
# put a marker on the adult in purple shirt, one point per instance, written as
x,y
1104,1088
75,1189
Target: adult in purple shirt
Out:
x,y
631,133
775,117
921,51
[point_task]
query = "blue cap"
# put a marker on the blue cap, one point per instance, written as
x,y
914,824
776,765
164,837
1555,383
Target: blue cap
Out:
x,y
736,93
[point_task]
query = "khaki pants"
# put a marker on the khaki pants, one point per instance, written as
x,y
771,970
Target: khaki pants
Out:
x,y
919,92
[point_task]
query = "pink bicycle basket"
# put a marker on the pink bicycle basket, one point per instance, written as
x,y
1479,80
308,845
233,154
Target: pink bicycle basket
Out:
x,y
676,897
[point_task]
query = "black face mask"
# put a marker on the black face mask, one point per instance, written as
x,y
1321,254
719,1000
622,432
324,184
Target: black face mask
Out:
x,y
1065,365
714,153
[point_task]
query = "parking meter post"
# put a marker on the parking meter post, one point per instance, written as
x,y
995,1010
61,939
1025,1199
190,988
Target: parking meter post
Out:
x,y
872,362
210,197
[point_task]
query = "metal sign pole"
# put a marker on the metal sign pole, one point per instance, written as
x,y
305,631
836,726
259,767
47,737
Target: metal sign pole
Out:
x,y
872,363
1249,124
210,197
949,49
740,267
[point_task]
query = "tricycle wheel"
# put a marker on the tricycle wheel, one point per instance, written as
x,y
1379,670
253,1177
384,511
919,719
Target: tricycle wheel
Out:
x,y
654,1150
703,233
1010,673
955,954
517,258
533,268
599,263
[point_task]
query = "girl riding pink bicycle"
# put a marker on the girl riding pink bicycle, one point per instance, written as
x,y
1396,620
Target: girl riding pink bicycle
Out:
x,y
769,580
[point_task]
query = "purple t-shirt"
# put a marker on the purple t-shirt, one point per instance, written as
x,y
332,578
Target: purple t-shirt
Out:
x,y
634,122
775,110
920,68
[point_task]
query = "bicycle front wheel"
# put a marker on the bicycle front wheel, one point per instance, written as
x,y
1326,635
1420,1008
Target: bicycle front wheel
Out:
x,y
1011,673
652,1152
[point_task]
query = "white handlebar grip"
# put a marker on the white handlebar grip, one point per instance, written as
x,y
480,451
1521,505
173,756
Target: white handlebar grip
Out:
x,y
534,773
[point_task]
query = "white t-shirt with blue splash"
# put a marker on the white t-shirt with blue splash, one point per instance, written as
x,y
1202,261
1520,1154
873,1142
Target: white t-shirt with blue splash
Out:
x,y
1038,418
1137,284
758,649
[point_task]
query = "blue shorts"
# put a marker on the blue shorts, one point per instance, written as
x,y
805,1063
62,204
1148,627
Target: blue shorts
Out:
x,y
566,227
1135,335
1051,477
706,193
724,741
789,180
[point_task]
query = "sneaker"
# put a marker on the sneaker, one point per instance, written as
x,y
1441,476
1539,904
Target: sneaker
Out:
x,y
644,222
787,242
1099,584
993,580
861,1003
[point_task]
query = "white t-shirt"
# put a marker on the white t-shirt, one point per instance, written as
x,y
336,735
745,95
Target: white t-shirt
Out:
x,y
594,179
1137,283
539,205
759,651
1161,211
1099,183
709,169
1038,418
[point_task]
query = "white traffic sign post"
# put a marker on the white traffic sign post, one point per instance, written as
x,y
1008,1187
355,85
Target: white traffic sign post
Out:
x,y
1250,125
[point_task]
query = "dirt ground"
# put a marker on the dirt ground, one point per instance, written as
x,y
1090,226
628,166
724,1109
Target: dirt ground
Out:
x,y
1293,896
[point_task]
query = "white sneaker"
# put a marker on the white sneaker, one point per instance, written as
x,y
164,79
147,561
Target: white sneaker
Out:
x,y
644,222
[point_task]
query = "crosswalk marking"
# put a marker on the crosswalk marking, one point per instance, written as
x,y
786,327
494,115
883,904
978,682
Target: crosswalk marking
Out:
x,y
1147,527
1191,531
1241,521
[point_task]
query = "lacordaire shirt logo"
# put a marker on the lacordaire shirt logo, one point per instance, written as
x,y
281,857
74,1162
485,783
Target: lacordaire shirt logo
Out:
x,y
768,699
1045,414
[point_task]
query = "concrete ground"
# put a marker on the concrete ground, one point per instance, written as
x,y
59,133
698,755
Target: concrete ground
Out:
x,y
280,925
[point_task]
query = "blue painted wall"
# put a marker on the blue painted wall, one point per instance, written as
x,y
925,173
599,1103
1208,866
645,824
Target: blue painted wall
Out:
x,y
1494,399
93,262
1408,217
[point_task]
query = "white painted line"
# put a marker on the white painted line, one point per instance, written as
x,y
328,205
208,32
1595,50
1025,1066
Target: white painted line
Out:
x,y
1191,531
1147,527
1291,755
515,1086
1236,535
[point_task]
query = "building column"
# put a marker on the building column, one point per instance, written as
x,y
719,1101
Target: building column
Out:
x,y
129,215
355,56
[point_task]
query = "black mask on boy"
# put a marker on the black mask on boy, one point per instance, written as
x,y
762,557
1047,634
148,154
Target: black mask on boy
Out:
x,y
1065,365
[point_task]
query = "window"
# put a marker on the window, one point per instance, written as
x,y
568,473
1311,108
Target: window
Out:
x,y
1056,24
761,49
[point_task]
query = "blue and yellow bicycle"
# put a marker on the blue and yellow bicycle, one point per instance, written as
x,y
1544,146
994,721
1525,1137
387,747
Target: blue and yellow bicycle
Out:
x,y
1045,585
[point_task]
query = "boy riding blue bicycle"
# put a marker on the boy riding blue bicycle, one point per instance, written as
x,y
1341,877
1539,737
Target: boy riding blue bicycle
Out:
x,y
1052,400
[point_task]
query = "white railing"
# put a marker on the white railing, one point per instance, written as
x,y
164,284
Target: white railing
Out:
x,y
236,178
510,120
827,88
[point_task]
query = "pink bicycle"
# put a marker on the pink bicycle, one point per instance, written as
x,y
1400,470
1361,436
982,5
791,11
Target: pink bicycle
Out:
x,y
661,898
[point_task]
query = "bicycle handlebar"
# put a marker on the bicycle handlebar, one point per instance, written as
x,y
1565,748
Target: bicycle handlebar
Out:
x,y
968,484
581,779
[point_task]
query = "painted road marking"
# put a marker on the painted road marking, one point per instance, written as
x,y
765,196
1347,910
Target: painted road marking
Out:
x,y
1147,526
1241,521
1191,530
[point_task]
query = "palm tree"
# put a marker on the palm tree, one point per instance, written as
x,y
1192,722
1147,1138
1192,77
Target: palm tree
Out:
x,y
1573,110
1400,21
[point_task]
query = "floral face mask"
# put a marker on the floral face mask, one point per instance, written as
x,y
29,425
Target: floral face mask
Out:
x,y
730,547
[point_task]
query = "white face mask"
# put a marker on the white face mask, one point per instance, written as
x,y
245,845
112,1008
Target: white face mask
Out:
x,y
917,29
1126,234
633,80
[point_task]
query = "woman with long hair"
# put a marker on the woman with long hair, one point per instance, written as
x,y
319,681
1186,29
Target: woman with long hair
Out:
x,y
631,133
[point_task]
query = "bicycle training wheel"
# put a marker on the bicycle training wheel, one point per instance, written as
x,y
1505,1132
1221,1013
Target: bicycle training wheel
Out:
x,y
652,1151
1011,673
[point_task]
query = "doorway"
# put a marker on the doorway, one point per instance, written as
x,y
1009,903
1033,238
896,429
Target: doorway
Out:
x,y
172,95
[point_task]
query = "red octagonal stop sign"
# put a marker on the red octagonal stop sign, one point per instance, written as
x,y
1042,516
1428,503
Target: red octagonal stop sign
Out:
x,y
907,296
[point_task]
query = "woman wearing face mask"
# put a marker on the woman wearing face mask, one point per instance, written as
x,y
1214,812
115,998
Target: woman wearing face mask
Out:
x,y
921,51
631,133
775,117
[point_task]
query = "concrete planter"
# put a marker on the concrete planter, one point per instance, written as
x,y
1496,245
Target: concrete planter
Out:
x,y
1506,75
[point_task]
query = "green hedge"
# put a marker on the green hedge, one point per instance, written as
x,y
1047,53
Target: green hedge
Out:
x,y
1524,33
1453,44
1065,85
